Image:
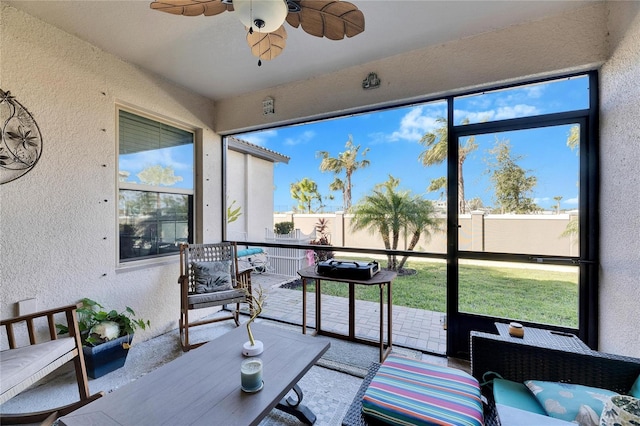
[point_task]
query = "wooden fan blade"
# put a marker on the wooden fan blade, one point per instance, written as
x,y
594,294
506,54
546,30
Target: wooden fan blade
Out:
x,y
333,19
191,7
267,45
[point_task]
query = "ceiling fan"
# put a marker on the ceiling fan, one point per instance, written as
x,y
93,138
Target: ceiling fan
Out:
x,y
264,19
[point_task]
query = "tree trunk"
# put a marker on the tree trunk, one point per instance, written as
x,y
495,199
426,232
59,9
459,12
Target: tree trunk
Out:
x,y
414,242
387,245
347,193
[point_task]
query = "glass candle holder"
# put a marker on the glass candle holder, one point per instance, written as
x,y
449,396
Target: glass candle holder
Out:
x,y
251,375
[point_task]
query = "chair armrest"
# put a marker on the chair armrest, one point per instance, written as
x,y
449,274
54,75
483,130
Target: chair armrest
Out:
x,y
243,279
519,362
34,315
71,318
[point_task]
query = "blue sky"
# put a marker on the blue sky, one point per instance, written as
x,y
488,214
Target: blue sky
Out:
x,y
393,136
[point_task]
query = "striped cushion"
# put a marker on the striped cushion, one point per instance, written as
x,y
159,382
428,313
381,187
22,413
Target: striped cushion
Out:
x,y
412,392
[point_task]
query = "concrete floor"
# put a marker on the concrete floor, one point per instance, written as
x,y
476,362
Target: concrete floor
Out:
x,y
328,393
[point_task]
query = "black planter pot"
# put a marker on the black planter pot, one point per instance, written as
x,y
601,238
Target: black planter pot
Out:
x,y
102,359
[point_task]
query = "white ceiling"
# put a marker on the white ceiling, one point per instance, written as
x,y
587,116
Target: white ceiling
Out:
x,y
210,56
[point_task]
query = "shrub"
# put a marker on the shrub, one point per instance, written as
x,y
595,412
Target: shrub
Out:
x,y
283,228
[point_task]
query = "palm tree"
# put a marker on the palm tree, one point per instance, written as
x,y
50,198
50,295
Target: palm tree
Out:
x,y
389,212
306,193
421,220
345,161
436,153
557,199
573,139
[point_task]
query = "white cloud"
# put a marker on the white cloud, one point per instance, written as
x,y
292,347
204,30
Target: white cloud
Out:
x,y
536,91
571,201
541,200
143,159
259,138
303,138
520,110
377,138
499,113
414,125
422,119
475,117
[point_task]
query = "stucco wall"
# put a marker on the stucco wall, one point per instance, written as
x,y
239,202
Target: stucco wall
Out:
x,y
58,225
54,220
534,234
620,184
250,184
574,40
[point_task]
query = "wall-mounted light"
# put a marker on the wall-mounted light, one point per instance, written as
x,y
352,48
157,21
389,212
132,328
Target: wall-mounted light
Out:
x,y
371,82
267,106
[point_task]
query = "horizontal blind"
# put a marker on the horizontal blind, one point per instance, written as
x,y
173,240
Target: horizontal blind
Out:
x,y
139,134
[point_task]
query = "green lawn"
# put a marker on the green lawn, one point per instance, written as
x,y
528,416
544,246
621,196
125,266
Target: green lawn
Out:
x,y
544,296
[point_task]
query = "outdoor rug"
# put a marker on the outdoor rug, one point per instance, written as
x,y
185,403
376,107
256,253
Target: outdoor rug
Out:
x,y
349,357
343,356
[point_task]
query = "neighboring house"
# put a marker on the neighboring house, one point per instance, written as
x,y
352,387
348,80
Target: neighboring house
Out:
x,y
250,184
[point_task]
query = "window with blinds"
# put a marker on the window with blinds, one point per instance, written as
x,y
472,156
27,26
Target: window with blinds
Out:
x,y
155,187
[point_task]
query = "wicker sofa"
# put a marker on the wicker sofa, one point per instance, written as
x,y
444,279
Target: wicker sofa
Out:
x,y
518,361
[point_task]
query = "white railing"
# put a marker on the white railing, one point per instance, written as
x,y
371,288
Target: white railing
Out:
x,y
288,261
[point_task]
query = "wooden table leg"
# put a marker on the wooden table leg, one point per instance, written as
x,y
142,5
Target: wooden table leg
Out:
x,y
352,311
381,322
389,316
318,307
384,352
304,306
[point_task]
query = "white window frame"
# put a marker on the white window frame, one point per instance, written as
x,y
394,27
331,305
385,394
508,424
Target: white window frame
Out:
x,y
157,258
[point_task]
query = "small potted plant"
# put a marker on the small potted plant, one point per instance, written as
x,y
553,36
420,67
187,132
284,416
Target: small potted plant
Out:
x,y
254,347
106,336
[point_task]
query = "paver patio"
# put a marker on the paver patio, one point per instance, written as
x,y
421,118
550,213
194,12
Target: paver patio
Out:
x,y
412,328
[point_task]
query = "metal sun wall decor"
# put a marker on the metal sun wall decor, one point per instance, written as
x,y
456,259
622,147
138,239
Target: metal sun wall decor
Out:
x,y
21,144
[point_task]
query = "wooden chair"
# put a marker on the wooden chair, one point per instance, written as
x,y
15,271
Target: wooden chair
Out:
x,y
23,364
191,258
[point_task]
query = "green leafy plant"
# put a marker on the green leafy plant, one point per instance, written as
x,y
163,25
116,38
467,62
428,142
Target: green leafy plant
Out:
x,y
99,326
283,228
322,229
233,214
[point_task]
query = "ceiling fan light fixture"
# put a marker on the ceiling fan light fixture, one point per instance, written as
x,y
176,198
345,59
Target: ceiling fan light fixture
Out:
x,y
263,16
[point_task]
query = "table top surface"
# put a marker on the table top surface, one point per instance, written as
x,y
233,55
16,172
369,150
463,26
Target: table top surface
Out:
x,y
545,338
202,387
382,277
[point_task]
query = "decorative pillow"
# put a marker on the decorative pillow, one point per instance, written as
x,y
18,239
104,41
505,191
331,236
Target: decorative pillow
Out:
x,y
621,410
212,276
517,395
407,391
635,389
573,403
